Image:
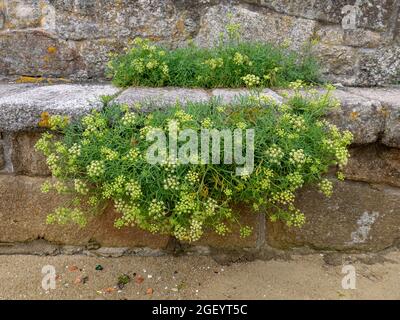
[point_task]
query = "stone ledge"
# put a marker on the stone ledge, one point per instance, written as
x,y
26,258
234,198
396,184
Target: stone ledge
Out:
x,y
21,105
390,112
165,97
372,114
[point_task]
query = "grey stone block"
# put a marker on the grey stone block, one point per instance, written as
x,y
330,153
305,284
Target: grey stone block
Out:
x,y
159,97
21,109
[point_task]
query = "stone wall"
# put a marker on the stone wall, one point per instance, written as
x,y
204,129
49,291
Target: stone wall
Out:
x,y
362,215
358,40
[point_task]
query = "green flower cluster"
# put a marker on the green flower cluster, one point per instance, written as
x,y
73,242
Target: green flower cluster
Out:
x,y
231,63
101,158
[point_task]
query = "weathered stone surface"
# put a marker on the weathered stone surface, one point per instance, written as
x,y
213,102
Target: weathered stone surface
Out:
x,y
365,118
22,111
57,38
227,96
371,114
21,14
35,247
338,63
254,23
25,159
111,252
377,67
158,97
374,163
169,20
388,96
2,160
358,216
23,210
9,89
37,53
153,97
372,14
95,56
329,35
107,235
390,100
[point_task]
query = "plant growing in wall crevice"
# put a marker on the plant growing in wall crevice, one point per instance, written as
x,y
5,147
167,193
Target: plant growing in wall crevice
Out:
x,y
101,158
231,63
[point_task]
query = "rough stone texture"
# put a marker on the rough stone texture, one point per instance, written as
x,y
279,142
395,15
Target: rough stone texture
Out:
x,y
254,21
377,65
390,100
374,163
22,110
371,114
25,159
21,14
373,14
23,210
156,97
73,38
358,216
227,96
10,89
37,53
337,63
2,160
362,116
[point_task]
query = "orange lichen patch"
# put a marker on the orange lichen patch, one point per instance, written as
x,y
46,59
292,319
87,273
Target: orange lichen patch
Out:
x,y
154,38
180,26
28,79
354,115
44,120
149,291
51,50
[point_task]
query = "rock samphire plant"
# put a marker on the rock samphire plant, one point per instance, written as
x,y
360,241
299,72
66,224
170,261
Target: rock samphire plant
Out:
x,y
231,63
101,158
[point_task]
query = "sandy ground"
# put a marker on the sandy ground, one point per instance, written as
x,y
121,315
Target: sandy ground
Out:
x,y
194,277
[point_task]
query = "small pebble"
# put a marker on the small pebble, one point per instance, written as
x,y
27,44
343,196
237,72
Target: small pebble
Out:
x,y
149,291
99,267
